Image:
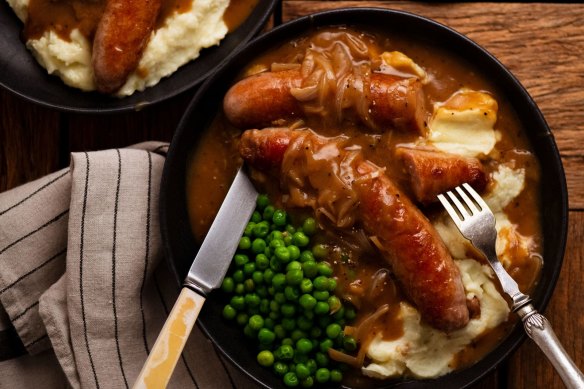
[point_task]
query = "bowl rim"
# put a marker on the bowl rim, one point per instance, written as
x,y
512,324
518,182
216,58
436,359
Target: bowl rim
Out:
x,y
513,338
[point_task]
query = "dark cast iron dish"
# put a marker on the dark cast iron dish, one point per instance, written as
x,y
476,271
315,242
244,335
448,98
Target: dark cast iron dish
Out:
x,y
21,74
180,246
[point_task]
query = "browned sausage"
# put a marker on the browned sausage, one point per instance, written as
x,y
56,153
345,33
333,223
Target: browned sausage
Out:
x,y
433,172
412,247
259,100
120,39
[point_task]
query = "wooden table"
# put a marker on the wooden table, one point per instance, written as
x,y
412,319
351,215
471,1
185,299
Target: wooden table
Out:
x,y
541,43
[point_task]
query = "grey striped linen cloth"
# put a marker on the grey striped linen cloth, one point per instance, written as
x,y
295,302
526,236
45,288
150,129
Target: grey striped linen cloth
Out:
x,y
83,281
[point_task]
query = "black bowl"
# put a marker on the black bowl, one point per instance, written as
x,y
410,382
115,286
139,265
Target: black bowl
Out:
x,y
181,247
21,74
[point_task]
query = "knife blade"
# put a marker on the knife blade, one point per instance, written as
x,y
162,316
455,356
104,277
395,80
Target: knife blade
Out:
x,y
206,273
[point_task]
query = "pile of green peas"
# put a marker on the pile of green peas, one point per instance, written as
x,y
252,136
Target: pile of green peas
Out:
x,y
281,293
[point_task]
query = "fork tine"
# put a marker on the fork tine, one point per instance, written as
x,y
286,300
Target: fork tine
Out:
x,y
450,209
469,203
476,197
461,208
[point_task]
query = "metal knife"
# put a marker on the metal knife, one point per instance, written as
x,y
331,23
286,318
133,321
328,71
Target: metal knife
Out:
x,y
206,273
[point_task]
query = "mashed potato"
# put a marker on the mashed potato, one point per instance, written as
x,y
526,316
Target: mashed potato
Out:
x,y
177,42
422,351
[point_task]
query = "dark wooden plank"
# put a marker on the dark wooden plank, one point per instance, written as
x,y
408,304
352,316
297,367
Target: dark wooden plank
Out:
x,y
29,141
541,43
531,369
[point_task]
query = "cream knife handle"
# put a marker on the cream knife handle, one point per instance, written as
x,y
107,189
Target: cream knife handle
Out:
x,y
168,347
539,329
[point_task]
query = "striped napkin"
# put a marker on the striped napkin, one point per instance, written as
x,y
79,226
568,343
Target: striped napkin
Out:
x,y
82,279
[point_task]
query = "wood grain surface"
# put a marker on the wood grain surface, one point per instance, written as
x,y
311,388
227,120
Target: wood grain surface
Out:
x,y
541,43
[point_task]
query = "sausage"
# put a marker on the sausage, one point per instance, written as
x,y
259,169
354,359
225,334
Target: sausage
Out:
x,y
260,100
433,172
121,36
419,259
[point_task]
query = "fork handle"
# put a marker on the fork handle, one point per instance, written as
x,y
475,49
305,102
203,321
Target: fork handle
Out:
x,y
540,330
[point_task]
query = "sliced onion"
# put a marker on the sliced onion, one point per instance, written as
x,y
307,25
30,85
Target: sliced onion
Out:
x,y
279,66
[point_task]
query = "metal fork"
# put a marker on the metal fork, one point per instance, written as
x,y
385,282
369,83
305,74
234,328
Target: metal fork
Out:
x,y
476,222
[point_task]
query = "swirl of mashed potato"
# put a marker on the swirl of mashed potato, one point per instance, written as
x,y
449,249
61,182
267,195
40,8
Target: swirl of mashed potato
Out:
x,y
178,41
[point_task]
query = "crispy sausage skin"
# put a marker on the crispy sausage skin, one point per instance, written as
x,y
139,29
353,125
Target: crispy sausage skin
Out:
x,y
433,172
259,100
120,39
418,257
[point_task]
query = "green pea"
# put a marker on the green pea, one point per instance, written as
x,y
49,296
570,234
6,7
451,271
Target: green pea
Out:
x,y
336,376
294,265
285,352
287,310
326,344
320,251
274,315
287,239
275,243
268,213
350,313
306,255
249,285
276,235
290,229
294,277
249,229
306,285
257,277
336,306
288,342
282,254
268,276
279,280
262,261
298,334
242,319
325,269
238,276
322,375
275,264
262,201
279,217
291,379
321,359
256,217
228,285
239,289
302,371
310,269
321,295
279,331
308,382
245,242
300,239
321,283
252,300
249,332
249,268
265,336
256,322
265,307
261,230
303,346
240,259
307,301
280,368
258,245
333,330
315,333
294,252
280,298
291,293
265,358
349,343
321,308
237,302
309,226
229,312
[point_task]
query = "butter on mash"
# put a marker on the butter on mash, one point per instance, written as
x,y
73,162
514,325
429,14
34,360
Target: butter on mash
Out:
x,y
178,41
